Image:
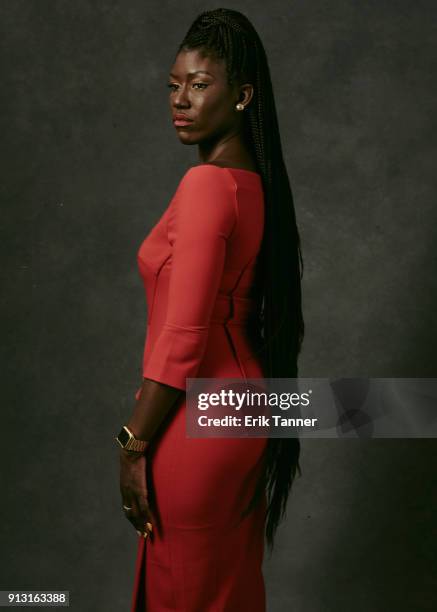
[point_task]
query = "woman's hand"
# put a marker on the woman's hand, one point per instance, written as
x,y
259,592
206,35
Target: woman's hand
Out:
x,y
133,490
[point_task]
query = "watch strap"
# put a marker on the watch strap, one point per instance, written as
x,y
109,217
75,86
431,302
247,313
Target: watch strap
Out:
x,y
138,446
133,444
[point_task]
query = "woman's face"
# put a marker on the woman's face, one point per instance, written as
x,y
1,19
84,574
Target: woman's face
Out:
x,y
199,91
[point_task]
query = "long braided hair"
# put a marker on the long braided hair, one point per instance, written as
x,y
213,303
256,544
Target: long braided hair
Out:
x,y
227,34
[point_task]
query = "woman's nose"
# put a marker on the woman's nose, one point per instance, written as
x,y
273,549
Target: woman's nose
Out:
x,y
180,97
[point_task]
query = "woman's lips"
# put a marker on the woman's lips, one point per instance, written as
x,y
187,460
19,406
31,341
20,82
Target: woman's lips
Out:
x,y
181,122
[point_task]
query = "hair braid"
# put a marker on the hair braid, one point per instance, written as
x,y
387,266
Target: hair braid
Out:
x,y
227,34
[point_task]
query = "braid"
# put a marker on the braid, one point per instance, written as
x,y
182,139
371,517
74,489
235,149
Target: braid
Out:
x,y
227,34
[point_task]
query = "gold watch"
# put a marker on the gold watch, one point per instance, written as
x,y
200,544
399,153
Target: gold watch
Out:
x,y
129,442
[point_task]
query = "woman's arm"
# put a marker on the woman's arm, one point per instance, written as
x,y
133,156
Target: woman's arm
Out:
x,y
204,218
153,404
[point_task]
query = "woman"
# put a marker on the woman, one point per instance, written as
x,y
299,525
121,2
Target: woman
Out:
x,y
222,271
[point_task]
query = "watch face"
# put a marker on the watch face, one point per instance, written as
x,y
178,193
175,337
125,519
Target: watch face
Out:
x,y
123,437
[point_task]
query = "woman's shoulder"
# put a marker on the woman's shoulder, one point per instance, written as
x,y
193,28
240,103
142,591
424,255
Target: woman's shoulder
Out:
x,y
207,177
205,196
208,170
213,174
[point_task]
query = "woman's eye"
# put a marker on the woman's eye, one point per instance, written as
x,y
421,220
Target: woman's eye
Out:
x,y
173,86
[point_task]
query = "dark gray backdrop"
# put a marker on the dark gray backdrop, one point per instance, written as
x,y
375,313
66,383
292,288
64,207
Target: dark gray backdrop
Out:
x,y
90,160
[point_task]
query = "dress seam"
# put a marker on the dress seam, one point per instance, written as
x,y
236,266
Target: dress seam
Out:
x,y
235,202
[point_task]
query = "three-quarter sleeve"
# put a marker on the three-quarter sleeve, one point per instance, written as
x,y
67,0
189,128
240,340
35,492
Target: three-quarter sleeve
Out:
x,y
203,218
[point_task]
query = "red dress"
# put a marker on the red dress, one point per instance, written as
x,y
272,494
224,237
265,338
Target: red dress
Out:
x,y
198,266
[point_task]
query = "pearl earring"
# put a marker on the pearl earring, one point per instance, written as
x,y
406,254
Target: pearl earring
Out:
x,y
239,106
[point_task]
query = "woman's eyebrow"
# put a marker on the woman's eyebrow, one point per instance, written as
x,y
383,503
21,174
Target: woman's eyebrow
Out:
x,y
192,73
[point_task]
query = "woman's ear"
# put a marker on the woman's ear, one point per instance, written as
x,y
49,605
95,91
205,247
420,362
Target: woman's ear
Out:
x,y
246,93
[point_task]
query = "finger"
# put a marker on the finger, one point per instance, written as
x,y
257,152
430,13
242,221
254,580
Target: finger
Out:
x,y
130,509
136,515
149,502
126,506
138,518
127,501
146,514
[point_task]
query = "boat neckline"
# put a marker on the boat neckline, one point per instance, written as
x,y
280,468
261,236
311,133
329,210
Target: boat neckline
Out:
x,y
231,168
